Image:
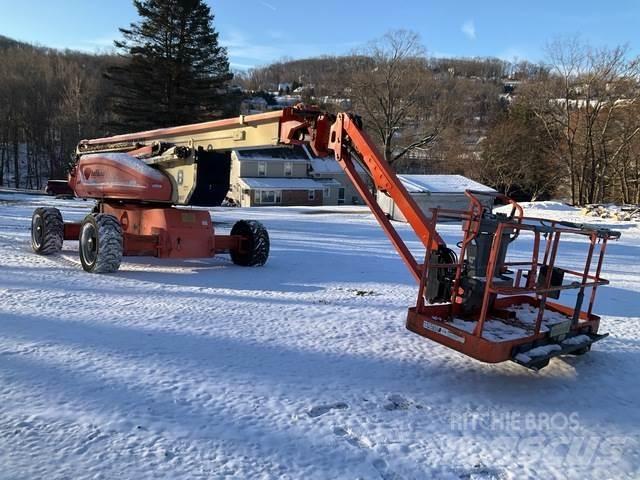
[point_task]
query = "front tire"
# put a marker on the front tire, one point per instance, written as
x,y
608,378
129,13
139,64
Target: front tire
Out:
x,y
581,351
47,231
101,243
255,247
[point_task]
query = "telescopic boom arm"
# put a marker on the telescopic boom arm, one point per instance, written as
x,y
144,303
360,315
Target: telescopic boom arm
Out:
x,y
340,134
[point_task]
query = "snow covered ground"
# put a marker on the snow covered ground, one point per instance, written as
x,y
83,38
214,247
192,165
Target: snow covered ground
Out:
x,y
301,369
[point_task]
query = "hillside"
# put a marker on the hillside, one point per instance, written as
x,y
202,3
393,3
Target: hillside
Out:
x,y
6,42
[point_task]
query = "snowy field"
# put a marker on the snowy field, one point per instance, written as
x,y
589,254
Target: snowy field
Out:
x,y
301,369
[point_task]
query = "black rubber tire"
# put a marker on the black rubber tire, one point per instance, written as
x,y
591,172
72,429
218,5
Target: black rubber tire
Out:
x,y
101,243
255,251
47,231
581,351
539,366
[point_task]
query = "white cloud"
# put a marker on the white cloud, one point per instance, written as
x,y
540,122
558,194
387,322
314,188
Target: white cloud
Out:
x,y
516,53
103,44
105,41
442,54
245,49
268,5
276,34
239,45
241,66
469,29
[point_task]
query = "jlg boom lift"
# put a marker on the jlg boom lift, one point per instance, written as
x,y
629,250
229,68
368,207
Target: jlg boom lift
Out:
x,y
472,299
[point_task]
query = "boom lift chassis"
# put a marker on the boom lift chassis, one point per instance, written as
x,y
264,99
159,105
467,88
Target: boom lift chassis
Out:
x,y
475,300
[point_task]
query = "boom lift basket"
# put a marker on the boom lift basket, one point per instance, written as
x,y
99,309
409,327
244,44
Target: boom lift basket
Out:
x,y
499,309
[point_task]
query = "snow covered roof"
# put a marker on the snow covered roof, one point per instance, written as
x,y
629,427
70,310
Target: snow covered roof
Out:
x,y
441,184
282,183
327,182
277,153
325,165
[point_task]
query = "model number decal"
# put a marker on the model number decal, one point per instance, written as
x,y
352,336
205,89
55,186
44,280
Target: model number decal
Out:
x,y
442,331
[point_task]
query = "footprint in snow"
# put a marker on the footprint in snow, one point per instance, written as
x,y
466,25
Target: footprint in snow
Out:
x,y
322,409
352,438
383,469
480,472
398,402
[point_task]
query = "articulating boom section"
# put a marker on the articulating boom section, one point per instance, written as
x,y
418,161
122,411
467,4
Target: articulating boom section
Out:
x,y
178,152
475,300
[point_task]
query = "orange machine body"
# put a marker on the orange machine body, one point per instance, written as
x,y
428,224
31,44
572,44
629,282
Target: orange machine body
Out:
x,y
119,176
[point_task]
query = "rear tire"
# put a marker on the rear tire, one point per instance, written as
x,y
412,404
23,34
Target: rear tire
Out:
x,y
581,351
101,243
255,251
47,231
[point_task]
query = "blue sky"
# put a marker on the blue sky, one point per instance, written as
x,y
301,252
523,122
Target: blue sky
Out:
x,y
257,32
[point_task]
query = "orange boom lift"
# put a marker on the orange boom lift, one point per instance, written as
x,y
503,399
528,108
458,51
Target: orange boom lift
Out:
x,y
472,299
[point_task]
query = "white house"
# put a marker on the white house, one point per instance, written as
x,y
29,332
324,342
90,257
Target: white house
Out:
x,y
288,176
273,176
338,188
435,191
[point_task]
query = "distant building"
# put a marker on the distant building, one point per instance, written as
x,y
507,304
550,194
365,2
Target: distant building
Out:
x,y
273,176
342,103
338,188
258,192
435,191
287,176
288,100
284,87
253,105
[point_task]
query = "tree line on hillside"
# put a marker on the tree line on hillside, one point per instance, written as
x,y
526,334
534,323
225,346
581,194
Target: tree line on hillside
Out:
x,y
168,69
569,126
48,101
575,131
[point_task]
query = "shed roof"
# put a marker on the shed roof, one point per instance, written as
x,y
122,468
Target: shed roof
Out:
x,y
441,184
266,183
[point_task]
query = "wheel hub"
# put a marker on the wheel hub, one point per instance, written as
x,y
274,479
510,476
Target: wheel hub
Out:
x,y
38,231
88,243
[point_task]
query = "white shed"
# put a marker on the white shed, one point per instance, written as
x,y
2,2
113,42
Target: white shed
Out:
x,y
435,191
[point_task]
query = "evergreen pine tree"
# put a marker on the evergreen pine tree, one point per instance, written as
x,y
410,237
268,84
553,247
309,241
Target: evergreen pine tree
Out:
x,y
174,71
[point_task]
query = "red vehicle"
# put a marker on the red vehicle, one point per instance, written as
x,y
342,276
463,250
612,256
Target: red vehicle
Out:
x,y
468,297
59,188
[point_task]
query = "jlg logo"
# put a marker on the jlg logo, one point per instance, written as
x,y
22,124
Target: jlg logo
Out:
x,y
88,173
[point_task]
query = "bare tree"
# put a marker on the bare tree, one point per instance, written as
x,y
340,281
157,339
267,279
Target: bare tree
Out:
x,y
580,106
516,157
48,101
625,167
397,95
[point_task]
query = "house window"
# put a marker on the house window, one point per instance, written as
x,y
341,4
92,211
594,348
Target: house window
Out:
x,y
327,192
262,169
256,196
270,196
288,169
341,195
312,195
